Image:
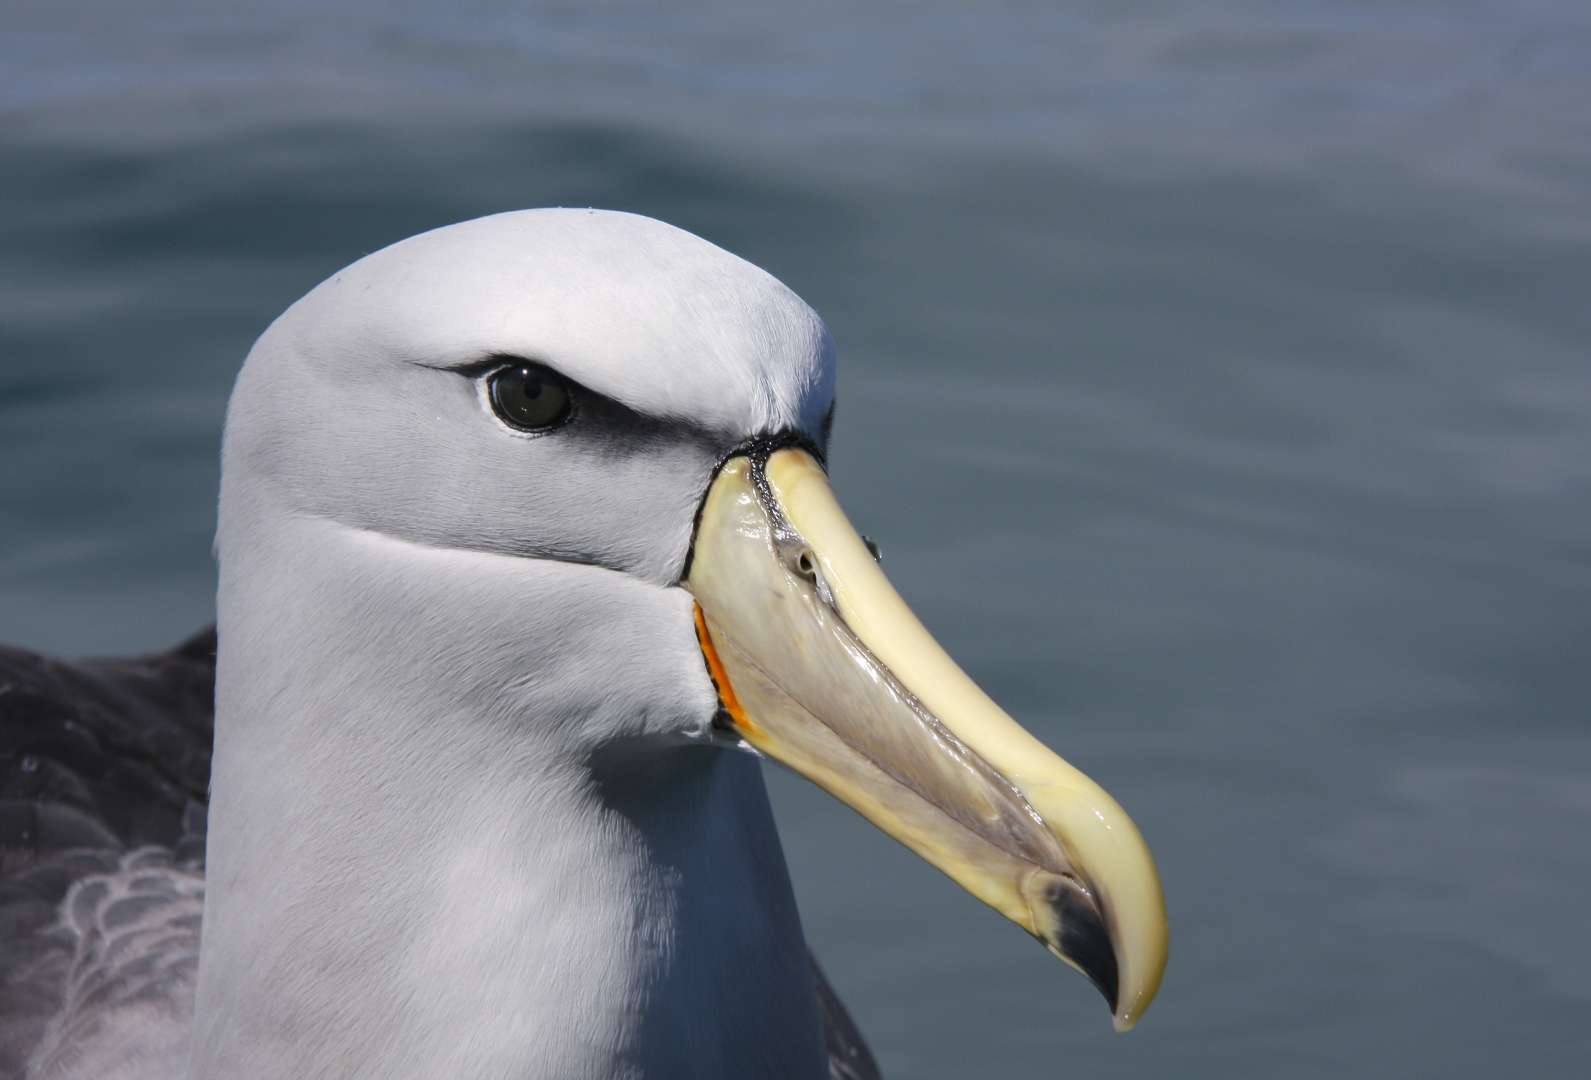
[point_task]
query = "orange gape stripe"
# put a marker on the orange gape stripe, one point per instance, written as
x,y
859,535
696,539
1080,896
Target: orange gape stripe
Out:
x,y
720,677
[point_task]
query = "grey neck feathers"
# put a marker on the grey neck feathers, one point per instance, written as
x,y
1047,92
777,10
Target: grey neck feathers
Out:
x,y
428,860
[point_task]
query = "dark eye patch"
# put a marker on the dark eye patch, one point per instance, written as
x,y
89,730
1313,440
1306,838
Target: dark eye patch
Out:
x,y
530,396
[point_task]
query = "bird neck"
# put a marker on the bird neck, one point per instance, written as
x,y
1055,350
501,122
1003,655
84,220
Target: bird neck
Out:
x,y
633,921
407,878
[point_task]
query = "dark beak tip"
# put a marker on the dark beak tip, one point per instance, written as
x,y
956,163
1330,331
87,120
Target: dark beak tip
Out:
x,y
1085,941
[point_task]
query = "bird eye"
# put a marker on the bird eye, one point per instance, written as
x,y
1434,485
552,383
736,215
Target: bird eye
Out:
x,y
529,397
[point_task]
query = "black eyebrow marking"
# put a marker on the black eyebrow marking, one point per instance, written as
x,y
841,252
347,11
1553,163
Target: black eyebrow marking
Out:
x,y
608,425
611,427
491,362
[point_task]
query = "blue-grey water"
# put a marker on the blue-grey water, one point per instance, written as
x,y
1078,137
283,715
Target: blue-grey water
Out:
x,y
1217,378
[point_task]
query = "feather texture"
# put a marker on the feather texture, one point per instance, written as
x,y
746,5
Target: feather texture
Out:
x,y
103,774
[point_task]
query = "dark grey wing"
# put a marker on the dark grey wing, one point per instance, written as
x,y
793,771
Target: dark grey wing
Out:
x,y
104,774
849,1057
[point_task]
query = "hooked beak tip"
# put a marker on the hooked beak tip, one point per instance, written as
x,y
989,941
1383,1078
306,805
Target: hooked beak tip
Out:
x,y
1085,942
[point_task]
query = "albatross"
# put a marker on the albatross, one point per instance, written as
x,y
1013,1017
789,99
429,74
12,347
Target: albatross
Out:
x,y
525,539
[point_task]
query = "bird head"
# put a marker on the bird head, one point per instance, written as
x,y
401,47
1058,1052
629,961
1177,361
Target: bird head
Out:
x,y
604,440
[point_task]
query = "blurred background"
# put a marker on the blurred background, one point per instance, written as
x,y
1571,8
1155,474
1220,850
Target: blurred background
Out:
x,y
1217,379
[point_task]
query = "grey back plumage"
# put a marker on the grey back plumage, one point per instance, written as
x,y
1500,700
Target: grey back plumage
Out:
x,y
103,775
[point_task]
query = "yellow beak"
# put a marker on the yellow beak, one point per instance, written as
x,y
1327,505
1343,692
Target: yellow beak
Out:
x,y
821,666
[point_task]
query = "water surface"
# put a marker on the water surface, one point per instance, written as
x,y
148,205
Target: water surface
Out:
x,y
1217,383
